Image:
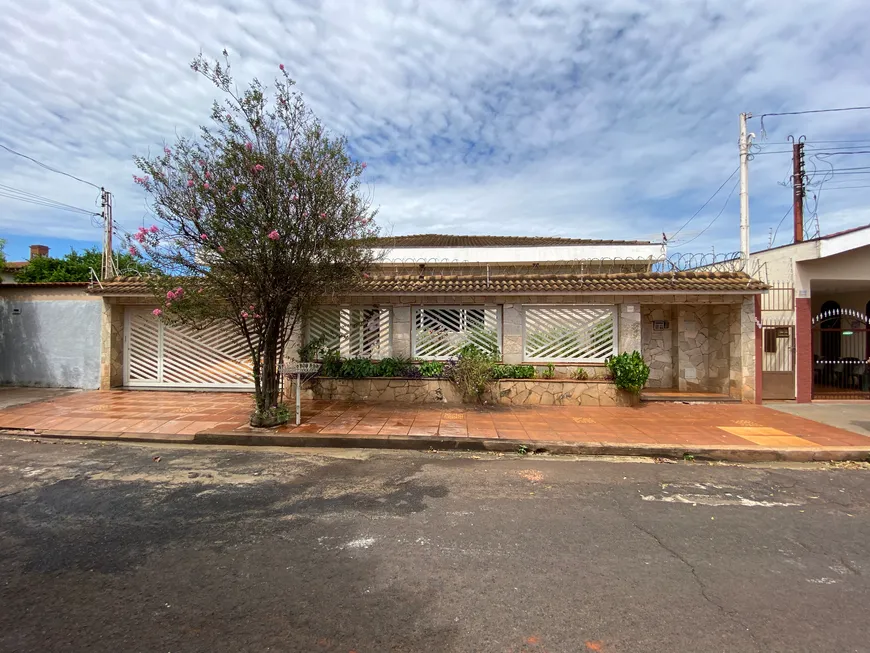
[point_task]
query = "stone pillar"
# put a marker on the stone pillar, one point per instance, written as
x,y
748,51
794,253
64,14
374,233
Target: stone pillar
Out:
x,y
295,343
111,346
735,358
748,333
402,331
512,334
803,334
692,347
629,328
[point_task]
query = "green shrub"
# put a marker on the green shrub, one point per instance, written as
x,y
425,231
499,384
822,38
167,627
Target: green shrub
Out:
x,y
549,372
580,374
629,371
314,350
431,369
471,372
397,366
331,364
357,368
513,372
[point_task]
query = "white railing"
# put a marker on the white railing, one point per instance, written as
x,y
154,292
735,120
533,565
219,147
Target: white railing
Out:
x,y
441,332
569,334
353,332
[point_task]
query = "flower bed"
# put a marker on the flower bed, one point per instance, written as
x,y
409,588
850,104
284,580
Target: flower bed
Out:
x,y
513,392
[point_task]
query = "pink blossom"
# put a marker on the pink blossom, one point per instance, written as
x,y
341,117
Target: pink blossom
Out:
x,y
199,290
364,165
221,250
133,251
258,168
203,237
232,188
206,186
153,229
257,316
228,116
249,146
189,183
281,66
323,215
244,315
156,312
274,235
167,151
366,275
179,292
202,163
251,307
207,174
170,295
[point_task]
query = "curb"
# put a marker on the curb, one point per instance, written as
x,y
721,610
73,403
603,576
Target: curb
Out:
x,y
748,454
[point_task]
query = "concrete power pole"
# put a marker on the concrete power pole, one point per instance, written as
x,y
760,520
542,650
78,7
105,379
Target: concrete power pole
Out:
x,y
798,187
108,264
745,142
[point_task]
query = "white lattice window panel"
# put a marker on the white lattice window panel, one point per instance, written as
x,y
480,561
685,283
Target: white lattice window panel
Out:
x,y
569,334
441,332
353,332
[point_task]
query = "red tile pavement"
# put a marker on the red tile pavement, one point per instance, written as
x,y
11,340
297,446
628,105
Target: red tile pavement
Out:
x,y
188,413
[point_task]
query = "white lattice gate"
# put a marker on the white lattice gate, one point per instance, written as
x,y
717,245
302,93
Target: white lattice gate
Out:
x,y
157,355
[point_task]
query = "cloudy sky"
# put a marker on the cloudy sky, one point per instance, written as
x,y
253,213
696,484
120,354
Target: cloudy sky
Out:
x,y
609,119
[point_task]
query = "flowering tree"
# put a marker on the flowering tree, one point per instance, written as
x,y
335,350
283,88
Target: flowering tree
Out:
x,y
257,219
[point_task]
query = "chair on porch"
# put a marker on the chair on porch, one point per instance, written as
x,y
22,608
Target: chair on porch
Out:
x,y
859,375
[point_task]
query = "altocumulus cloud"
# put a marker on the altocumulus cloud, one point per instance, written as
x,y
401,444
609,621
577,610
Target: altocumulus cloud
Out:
x,y
573,118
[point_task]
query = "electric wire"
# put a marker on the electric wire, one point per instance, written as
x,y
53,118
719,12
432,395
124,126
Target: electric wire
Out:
x,y
718,215
704,205
47,167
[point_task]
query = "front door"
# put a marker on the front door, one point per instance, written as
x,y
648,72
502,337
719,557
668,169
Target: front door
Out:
x,y
777,362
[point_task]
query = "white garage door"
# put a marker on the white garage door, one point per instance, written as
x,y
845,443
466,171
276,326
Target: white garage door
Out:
x,y
157,355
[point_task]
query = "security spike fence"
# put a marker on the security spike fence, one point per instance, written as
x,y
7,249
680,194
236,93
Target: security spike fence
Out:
x,y
839,313
441,333
676,263
573,334
352,332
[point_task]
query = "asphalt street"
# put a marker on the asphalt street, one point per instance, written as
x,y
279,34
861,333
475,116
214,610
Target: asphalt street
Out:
x,y
110,547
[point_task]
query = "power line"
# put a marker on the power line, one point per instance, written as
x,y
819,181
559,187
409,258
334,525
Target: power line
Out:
x,y
801,113
703,206
733,188
779,224
47,167
32,198
827,188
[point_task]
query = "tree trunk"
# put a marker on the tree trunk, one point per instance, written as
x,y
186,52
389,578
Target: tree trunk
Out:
x,y
268,390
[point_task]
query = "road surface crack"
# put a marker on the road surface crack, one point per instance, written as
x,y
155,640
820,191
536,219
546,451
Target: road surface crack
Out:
x,y
702,587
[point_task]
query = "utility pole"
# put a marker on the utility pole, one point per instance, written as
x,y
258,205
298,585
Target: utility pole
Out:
x,y
798,186
108,264
745,141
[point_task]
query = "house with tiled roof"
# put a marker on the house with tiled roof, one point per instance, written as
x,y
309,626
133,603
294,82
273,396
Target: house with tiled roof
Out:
x,y
556,303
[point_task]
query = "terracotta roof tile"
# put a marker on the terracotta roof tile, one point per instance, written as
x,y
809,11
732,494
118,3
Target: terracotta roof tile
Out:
x,y
446,240
623,282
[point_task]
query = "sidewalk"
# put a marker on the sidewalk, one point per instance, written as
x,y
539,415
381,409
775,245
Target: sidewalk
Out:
x,y
714,431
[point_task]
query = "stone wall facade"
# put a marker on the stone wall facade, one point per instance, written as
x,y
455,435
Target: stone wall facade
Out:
x,y
658,346
508,392
111,346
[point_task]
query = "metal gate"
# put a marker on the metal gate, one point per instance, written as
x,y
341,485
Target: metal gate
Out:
x,y
841,360
777,362
157,355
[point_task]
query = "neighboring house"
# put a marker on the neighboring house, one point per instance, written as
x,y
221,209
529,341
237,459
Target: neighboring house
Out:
x,y
816,341
7,274
49,335
569,302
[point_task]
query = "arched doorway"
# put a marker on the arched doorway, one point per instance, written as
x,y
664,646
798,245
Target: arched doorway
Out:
x,y
841,337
